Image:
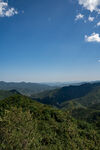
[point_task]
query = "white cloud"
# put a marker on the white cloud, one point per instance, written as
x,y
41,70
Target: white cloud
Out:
x,y
91,5
91,19
5,10
79,16
94,37
98,24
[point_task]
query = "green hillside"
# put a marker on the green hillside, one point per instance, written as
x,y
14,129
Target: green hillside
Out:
x,y
58,96
5,94
29,125
86,108
90,100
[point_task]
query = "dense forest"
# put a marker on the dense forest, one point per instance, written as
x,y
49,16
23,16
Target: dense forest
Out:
x,y
74,124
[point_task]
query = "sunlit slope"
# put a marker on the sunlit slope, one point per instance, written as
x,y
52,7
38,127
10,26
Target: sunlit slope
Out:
x,y
29,125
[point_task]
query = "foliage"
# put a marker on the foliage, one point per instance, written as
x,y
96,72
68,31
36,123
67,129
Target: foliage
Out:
x,y
5,94
29,125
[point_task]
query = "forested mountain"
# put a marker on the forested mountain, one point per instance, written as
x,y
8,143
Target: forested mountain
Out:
x,y
5,94
25,88
90,100
58,96
91,115
29,125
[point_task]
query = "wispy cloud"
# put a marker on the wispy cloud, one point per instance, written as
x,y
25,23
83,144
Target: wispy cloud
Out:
x,y
99,60
94,37
5,10
79,16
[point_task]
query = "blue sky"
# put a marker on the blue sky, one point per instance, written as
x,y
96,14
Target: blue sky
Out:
x,y
49,40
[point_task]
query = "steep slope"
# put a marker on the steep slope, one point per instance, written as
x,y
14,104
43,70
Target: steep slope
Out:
x,y
92,98
25,88
86,108
58,96
89,115
5,94
28,125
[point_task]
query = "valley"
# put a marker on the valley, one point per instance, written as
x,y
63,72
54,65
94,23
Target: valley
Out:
x,y
65,118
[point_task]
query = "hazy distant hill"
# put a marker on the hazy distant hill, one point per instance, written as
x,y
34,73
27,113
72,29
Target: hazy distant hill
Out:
x,y
29,125
58,96
25,88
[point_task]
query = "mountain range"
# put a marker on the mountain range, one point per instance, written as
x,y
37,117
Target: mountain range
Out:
x,y
25,88
58,96
66,118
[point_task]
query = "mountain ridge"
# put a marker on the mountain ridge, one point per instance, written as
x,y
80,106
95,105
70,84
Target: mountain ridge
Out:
x,y
25,88
60,95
